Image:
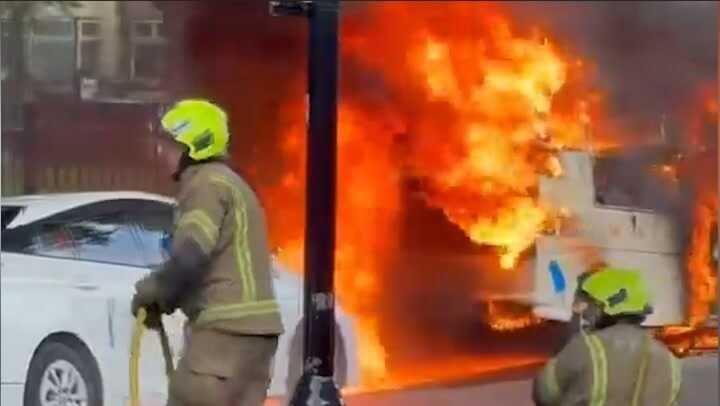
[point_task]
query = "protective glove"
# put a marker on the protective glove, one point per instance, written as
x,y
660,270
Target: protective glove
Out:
x,y
148,295
153,318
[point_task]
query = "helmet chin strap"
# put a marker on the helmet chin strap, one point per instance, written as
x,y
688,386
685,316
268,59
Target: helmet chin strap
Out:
x,y
591,317
183,164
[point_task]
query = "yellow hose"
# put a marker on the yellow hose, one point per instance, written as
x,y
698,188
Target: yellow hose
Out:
x,y
138,332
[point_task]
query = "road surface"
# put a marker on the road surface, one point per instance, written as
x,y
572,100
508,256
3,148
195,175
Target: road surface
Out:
x,y
700,388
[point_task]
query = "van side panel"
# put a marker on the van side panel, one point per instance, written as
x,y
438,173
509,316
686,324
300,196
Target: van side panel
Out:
x,y
621,236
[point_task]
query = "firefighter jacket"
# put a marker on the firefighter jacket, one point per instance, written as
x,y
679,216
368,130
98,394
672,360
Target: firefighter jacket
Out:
x,y
219,272
619,365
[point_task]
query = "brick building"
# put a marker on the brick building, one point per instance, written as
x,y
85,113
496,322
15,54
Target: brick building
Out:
x,y
81,85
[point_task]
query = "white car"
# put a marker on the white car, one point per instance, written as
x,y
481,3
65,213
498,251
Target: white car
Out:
x,y
68,267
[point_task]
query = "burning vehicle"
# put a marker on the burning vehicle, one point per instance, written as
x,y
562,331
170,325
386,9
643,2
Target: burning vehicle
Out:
x,y
605,223
473,157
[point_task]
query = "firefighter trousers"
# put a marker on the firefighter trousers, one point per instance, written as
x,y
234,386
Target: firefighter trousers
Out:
x,y
220,369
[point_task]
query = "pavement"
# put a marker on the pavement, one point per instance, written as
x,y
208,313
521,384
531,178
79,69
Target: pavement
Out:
x,y
700,381
700,388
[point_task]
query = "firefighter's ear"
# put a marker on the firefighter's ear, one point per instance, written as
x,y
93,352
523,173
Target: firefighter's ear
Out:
x,y
579,306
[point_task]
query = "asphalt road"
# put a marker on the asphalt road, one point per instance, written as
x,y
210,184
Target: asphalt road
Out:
x,y
700,388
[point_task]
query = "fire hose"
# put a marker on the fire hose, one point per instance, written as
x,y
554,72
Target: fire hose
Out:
x,y
138,333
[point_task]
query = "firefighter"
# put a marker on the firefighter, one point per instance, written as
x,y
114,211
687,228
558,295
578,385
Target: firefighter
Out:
x,y
612,361
218,272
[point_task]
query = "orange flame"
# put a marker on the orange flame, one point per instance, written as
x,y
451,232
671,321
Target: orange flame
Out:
x,y
504,319
483,147
500,119
702,274
368,201
703,280
701,171
474,110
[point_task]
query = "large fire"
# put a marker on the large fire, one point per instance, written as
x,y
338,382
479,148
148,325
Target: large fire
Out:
x,y
700,263
701,172
484,122
469,107
449,108
703,279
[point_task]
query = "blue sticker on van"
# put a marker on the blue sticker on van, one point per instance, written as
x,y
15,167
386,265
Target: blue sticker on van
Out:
x,y
557,277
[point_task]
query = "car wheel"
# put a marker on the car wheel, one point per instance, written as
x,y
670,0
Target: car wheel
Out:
x,y
63,375
295,368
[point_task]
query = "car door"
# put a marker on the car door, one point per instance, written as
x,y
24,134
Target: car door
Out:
x,y
45,292
111,261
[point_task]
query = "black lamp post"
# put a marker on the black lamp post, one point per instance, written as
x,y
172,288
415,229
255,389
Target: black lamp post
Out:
x,y
317,385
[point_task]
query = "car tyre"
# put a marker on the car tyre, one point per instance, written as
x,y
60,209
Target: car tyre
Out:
x,y
296,359
63,374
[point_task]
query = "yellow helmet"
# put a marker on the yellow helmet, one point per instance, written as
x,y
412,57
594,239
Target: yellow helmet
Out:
x,y
199,125
619,291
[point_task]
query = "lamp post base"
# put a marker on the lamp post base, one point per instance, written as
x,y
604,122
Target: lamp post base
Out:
x,y
314,390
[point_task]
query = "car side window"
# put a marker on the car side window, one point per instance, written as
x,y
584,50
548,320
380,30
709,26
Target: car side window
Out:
x,y
153,226
106,238
52,240
45,238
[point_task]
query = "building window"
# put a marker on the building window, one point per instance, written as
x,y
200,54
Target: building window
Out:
x,y
148,50
89,47
60,28
50,56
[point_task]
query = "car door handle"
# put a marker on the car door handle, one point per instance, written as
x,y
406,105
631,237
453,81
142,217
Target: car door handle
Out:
x,y
86,286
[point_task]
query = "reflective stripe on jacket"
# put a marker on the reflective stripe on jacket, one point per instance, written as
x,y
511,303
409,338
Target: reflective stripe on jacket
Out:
x,y
616,366
220,212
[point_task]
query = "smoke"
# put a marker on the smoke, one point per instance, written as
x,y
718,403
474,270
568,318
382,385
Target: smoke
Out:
x,y
657,63
650,56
